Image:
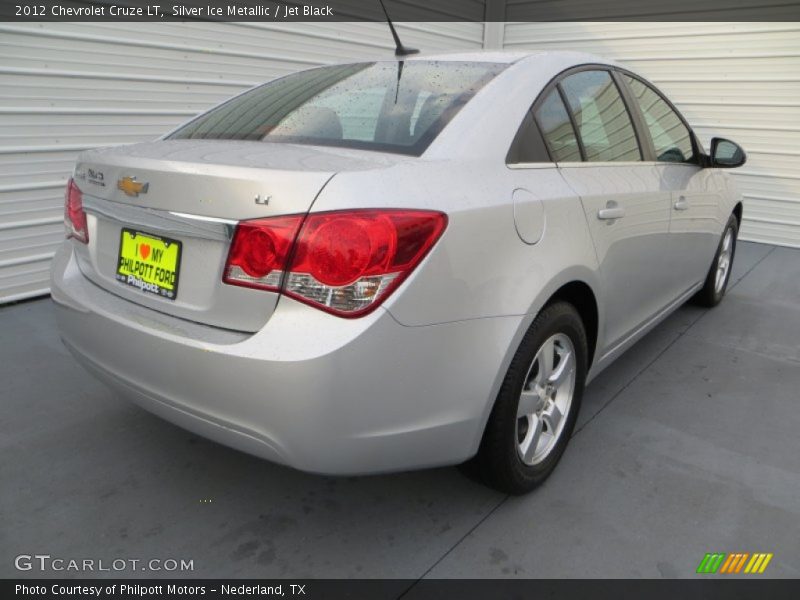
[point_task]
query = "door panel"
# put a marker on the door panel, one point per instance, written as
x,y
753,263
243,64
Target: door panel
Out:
x,y
694,223
625,207
694,199
630,249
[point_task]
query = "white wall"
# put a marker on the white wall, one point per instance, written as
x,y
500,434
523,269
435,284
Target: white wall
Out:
x,y
69,86
738,80
65,87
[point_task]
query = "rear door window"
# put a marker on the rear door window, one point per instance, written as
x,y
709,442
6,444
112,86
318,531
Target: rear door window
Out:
x,y
601,117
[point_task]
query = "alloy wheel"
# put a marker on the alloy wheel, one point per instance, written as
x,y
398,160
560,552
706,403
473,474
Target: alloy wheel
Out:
x,y
545,399
724,261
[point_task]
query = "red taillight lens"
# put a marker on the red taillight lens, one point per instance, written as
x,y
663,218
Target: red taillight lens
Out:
x,y
74,217
259,251
348,262
336,250
344,262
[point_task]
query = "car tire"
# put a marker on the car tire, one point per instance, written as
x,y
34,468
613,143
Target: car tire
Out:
x,y
719,274
530,397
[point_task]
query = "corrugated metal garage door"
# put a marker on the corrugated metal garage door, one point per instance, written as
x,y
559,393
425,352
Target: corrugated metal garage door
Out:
x,y
739,80
67,87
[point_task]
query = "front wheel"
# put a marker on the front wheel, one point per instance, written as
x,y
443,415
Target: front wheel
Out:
x,y
536,409
719,274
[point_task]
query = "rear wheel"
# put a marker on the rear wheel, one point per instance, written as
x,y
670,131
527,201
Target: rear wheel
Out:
x,y
536,409
719,274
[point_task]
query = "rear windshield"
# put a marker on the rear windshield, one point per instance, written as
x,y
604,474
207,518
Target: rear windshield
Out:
x,y
387,106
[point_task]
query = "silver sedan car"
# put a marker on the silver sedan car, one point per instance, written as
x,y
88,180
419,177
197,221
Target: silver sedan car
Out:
x,y
398,264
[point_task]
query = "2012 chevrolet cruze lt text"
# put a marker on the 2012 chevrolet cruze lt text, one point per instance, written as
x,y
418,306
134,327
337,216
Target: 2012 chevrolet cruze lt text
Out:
x,y
397,264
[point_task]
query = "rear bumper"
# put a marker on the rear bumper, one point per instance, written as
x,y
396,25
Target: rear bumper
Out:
x,y
310,390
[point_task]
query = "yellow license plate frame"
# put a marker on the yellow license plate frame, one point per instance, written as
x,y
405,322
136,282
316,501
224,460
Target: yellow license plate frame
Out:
x,y
149,263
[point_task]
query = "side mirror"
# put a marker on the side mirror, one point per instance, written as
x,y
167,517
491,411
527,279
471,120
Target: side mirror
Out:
x,y
726,154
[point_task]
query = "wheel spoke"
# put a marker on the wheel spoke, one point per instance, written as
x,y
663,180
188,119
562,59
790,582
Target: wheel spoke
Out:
x,y
532,439
552,417
546,358
562,370
528,403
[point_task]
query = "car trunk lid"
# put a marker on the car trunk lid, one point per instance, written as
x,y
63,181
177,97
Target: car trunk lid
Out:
x,y
147,196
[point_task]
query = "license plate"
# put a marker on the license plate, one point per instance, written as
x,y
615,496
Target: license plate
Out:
x,y
149,263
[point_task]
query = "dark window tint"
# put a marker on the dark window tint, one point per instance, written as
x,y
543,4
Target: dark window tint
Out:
x,y
557,129
601,117
671,138
528,145
389,106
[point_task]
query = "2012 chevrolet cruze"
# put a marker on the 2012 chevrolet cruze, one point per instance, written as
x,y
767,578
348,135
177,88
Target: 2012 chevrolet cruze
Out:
x,y
396,264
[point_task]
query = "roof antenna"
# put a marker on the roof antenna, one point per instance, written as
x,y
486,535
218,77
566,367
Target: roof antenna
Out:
x,y
399,49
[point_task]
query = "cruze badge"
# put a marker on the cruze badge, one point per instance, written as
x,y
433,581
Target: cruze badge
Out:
x,y
131,187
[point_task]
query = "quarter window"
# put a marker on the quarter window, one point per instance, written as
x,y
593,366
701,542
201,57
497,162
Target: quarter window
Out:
x,y
671,138
602,119
557,129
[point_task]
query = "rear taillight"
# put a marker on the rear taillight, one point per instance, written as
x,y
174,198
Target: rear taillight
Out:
x,y
259,252
344,262
74,216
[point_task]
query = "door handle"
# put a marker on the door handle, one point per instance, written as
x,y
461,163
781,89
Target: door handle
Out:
x,y
610,212
681,204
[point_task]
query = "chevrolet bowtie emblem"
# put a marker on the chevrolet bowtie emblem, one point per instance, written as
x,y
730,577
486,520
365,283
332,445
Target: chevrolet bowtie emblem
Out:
x,y
131,187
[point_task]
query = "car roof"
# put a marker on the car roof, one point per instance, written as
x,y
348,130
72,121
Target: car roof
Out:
x,y
512,57
496,56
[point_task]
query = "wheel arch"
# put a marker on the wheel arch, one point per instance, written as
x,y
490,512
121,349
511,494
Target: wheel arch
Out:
x,y
580,295
571,287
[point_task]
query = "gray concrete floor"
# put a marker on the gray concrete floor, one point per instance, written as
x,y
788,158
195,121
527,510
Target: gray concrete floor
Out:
x,y
688,444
